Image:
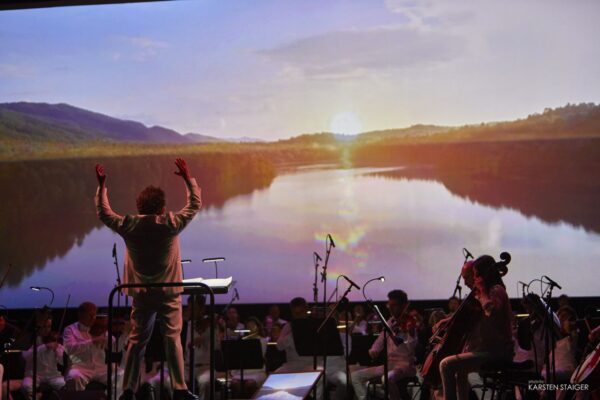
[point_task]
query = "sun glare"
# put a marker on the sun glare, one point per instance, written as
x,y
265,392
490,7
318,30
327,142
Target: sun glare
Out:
x,y
346,123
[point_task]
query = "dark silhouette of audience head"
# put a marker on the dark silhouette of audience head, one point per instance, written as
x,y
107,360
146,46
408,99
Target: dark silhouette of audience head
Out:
x,y
151,201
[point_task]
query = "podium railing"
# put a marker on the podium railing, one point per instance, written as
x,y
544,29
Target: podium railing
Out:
x,y
203,289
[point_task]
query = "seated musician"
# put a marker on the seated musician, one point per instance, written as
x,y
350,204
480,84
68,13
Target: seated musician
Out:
x,y
565,350
400,357
201,344
296,363
86,349
359,324
233,326
49,355
453,304
491,339
272,318
253,378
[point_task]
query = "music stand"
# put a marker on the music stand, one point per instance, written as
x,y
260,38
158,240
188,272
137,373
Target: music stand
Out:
x,y
309,343
295,385
242,354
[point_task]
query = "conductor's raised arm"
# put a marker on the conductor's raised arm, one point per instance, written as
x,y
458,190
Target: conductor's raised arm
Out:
x,y
105,213
186,214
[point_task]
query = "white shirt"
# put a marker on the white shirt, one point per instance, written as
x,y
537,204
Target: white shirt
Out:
x,y
84,354
401,356
47,361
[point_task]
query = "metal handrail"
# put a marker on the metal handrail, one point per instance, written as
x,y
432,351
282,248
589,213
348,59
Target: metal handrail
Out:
x,y
164,285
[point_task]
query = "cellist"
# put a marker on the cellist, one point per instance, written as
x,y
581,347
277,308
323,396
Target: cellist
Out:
x,y
490,340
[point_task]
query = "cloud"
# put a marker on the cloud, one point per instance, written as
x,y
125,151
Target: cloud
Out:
x,y
15,71
140,48
353,53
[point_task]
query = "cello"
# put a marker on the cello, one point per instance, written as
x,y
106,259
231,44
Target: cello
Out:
x,y
588,372
450,338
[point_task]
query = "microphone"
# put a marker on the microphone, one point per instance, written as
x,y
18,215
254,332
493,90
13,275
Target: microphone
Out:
x,y
317,256
467,254
237,295
331,240
114,252
351,282
551,282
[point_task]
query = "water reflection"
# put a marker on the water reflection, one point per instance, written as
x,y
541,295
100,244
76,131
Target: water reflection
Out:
x,y
410,230
48,206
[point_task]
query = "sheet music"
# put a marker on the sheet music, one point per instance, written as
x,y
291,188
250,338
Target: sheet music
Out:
x,y
212,283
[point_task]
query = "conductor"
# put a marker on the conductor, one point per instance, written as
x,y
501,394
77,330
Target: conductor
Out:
x,y
152,256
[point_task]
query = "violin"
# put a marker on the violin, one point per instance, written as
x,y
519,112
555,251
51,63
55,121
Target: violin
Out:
x,y
99,327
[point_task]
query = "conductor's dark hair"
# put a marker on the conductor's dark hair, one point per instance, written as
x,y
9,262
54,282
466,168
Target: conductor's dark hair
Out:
x,y
151,201
298,302
398,295
486,267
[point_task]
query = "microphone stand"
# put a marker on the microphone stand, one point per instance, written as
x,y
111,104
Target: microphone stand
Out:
x,y
328,246
550,341
343,300
315,285
458,288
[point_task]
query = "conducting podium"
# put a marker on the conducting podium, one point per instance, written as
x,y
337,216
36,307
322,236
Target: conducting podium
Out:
x,y
194,286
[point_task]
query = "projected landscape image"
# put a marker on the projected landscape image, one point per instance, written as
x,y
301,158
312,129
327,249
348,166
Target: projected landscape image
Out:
x,y
405,130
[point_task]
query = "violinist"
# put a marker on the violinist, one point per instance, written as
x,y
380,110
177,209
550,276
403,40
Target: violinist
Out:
x,y
49,356
491,338
85,342
401,357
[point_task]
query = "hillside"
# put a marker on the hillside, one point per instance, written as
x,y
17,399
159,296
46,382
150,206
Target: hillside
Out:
x,y
63,122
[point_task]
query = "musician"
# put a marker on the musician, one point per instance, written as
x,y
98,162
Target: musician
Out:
x,y
86,351
253,378
360,325
233,326
200,323
491,339
152,255
49,356
296,363
453,304
565,350
272,318
400,358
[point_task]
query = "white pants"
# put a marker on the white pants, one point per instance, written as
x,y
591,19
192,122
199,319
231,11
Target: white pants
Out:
x,y
79,377
361,377
55,383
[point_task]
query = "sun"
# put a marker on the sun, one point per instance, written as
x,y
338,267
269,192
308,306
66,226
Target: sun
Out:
x,y
346,123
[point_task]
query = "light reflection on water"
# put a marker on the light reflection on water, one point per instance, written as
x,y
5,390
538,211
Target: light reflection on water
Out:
x,y
411,231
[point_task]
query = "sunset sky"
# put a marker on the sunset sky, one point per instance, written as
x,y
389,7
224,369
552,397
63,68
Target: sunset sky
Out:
x,y
274,69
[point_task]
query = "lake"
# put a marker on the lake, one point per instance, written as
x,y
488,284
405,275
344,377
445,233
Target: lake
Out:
x,y
411,230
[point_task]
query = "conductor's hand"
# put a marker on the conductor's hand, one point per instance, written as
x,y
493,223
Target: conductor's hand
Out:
x,y
100,175
182,169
